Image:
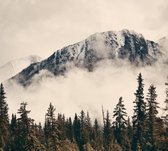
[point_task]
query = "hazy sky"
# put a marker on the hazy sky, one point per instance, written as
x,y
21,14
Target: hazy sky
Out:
x,y
42,26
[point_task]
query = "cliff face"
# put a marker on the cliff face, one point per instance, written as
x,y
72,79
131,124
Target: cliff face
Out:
x,y
122,45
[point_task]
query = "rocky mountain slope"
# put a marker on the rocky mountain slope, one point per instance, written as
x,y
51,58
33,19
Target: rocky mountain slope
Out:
x,y
122,45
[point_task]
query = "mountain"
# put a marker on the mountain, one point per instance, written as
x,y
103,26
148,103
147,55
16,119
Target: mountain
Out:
x,y
163,42
15,66
121,45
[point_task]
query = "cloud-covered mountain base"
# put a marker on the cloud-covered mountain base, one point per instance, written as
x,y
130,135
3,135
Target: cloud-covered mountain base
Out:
x,y
81,89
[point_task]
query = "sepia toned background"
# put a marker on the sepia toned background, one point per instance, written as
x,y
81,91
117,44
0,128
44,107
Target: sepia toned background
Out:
x,y
40,27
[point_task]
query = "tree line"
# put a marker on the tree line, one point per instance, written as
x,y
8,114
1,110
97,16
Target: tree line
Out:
x,y
144,131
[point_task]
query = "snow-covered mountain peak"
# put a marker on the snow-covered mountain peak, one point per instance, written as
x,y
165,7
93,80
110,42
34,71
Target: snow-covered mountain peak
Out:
x,y
131,32
123,45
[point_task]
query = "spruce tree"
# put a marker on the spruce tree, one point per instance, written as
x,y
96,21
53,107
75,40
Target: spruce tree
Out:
x,y
4,119
39,133
129,133
152,125
120,125
84,135
139,117
82,119
26,137
13,124
61,126
165,109
87,128
163,128
77,132
51,129
69,130
120,122
107,132
96,129
13,133
97,136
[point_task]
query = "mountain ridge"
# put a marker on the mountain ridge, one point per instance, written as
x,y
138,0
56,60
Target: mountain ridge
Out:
x,y
111,45
15,66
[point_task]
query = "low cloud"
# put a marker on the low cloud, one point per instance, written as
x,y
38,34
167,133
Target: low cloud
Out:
x,y
81,89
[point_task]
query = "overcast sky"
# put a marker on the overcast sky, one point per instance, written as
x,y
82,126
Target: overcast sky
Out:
x,y
42,26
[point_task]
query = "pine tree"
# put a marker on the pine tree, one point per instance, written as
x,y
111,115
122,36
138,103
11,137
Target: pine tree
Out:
x,y
97,141
82,119
165,117
13,133
96,128
4,119
83,128
120,125
69,130
163,129
87,129
61,126
13,124
139,117
77,132
152,125
129,130
107,132
120,122
39,133
26,138
51,129
162,144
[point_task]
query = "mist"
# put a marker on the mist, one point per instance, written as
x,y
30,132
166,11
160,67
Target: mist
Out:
x,y
82,90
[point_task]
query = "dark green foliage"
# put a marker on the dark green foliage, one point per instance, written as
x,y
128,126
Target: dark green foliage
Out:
x,y
39,133
69,130
120,121
4,120
120,125
139,117
82,128
107,132
129,131
165,109
146,131
13,125
26,137
77,132
152,125
13,133
61,126
163,122
97,139
51,129
96,130
86,127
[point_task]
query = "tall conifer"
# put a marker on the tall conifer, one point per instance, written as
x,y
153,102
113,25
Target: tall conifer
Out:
x,y
139,117
4,119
